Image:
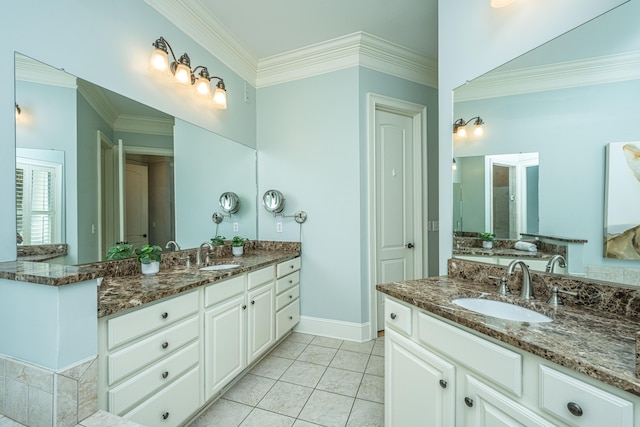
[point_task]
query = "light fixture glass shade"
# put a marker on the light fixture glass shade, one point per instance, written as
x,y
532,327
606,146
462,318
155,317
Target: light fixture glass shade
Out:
x,y
182,74
203,87
478,131
159,61
220,98
455,165
500,3
462,132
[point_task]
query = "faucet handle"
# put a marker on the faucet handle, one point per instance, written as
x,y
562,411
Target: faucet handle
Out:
x,y
503,288
555,299
188,262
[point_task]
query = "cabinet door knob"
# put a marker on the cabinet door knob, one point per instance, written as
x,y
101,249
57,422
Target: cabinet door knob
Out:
x,y
290,281
290,296
468,401
290,317
253,302
164,315
443,384
165,415
393,316
244,306
575,409
165,374
165,345
291,266
410,245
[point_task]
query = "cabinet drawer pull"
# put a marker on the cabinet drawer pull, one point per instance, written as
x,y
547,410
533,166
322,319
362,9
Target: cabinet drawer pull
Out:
x,y
165,415
291,267
393,316
575,409
290,281
290,317
165,345
164,315
443,384
468,401
290,296
165,374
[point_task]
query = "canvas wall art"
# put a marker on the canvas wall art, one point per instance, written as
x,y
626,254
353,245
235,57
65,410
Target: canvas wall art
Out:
x,y
622,201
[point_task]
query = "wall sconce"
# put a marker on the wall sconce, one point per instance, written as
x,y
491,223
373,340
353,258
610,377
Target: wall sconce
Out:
x,y
455,165
460,130
18,112
500,3
181,71
273,202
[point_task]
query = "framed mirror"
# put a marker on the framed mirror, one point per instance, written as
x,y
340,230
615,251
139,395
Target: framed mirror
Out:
x,y
566,100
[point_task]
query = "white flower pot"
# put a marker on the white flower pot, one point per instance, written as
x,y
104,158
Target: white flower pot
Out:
x,y
150,269
237,250
487,245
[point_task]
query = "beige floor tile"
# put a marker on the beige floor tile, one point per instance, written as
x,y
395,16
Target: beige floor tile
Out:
x,y
303,373
8,422
271,367
261,418
327,409
358,347
250,389
318,355
378,348
223,413
301,338
366,414
285,398
372,389
301,423
340,381
103,418
327,342
350,361
375,366
288,349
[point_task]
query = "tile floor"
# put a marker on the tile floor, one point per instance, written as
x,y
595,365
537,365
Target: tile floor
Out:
x,y
307,381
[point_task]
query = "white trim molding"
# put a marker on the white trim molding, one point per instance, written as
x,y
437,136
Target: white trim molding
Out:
x,y
563,75
349,331
30,70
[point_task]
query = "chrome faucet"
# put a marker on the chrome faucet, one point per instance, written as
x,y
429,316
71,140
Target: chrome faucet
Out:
x,y
556,259
199,253
176,246
526,291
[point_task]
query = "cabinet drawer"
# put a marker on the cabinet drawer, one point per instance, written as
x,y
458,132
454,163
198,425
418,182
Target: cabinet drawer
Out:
x,y
152,379
284,283
560,392
287,267
397,316
257,278
129,326
496,363
222,291
287,297
173,405
287,318
134,357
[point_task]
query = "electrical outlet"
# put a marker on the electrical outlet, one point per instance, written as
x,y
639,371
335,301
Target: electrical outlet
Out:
x,y
235,226
278,227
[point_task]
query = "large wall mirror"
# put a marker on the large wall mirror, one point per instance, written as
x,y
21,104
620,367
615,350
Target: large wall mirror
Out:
x,y
565,100
94,167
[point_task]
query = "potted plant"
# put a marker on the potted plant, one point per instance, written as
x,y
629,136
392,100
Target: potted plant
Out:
x,y
218,240
487,239
121,250
237,245
149,257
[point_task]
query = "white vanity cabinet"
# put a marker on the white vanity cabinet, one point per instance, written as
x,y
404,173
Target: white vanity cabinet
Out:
x,y
147,354
261,333
486,384
287,296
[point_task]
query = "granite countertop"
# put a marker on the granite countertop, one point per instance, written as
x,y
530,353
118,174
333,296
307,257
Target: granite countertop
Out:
x,y
46,274
502,252
117,294
593,342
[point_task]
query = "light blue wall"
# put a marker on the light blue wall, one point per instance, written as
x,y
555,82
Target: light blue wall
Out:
x,y
570,129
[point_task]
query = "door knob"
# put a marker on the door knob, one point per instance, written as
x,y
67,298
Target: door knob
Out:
x,y
410,245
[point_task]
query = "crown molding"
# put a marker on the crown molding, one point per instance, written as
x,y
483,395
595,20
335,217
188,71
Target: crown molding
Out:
x,y
30,70
146,125
598,70
357,49
98,101
205,29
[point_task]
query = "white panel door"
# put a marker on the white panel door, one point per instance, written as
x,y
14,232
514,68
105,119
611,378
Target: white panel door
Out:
x,y
395,209
137,202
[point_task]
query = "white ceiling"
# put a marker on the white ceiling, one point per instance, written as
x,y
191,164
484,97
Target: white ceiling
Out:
x,y
268,28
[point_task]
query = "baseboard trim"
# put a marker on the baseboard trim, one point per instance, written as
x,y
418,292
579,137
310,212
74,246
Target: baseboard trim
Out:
x,y
359,332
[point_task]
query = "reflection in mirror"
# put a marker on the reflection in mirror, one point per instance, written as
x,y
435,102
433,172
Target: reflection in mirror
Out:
x,y
273,201
496,193
119,155
565,100
229,202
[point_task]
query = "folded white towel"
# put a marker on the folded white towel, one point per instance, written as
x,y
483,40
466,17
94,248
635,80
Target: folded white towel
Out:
x,y
526,246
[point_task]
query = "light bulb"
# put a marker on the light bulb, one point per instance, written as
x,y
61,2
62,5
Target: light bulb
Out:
x,y
220,96
478,131
462,132
159,61
203,87
183,74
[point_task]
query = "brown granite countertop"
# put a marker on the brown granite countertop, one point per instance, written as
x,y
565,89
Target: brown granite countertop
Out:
x,y
589,341
46,274
117,294
501,252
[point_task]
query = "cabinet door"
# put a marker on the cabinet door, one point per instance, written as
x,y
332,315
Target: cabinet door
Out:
x,y
486,407
419,386
224,329
261,321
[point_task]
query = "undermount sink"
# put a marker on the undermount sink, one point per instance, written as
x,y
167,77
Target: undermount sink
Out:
x,y
501,310
219,267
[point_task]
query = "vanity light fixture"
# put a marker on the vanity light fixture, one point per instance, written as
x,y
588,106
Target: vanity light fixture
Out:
x,y
182,73
455,165
500,3
18,112
460,129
